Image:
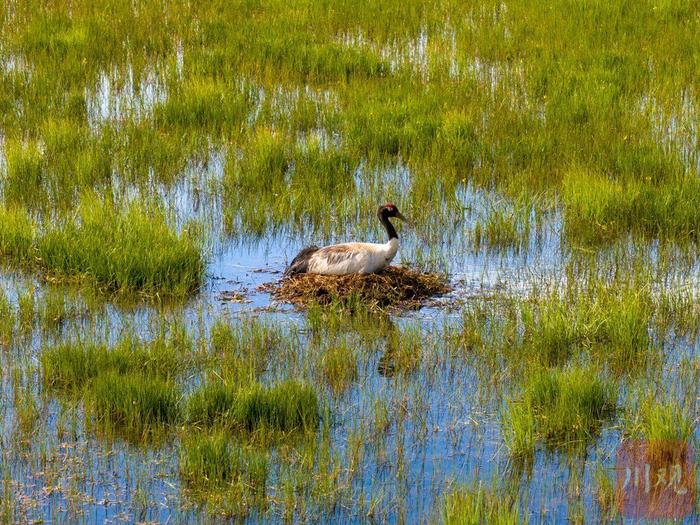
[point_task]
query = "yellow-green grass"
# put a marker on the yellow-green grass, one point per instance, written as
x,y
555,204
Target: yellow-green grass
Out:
x,y
558,408
242,349
133,404
286,406
228,477
452,90
478,505
131,250
599,208
610,323
74,366
660,419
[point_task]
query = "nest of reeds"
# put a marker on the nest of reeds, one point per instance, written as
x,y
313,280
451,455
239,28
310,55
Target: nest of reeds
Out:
x,y
393,287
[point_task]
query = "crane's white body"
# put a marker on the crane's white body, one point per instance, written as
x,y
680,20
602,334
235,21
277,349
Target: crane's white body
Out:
x,y
352,257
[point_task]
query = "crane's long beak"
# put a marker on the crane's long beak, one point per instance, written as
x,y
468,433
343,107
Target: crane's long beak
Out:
x,y
404,219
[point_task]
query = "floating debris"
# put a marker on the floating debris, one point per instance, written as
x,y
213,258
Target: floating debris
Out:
x,y
393,287
232,296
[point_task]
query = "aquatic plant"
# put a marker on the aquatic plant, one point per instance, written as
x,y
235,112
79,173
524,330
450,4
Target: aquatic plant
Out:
x,y
286,406
132,250
477,505
17,235
226,476
133,403
72,366
558,408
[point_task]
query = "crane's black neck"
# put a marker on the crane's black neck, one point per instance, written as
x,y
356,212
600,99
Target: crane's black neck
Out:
x,y
388,226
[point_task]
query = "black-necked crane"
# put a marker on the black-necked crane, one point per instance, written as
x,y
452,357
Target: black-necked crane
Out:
x,y
351,257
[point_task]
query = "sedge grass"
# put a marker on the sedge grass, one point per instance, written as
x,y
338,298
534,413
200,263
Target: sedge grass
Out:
x,y
129,251
17,235
227,477
73,366
133,404
558,409
611,323
660,420
339,365
477,505
285,407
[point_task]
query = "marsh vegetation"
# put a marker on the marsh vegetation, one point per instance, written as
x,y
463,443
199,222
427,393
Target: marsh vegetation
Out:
x,y
157,158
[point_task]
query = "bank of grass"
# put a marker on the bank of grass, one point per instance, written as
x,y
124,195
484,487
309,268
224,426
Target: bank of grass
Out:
x,y
339,366
660,420
287,406
558,409
130,388
17,235
130,250
477,505
240,350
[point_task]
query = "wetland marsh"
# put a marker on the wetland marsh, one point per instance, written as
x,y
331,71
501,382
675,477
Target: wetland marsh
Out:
x,y
162,162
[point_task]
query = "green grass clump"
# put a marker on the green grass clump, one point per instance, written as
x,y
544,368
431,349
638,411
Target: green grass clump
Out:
x,y
72,366
665,428
339,365
211,460
507,225
599,208
212,404
559,408
132,250
24,181
478,505
7,320
660,420
611,324
226,477
205,104
242,350
17,235
135,403
285,407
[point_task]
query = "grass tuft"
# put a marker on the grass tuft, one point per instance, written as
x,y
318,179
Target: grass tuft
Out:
x,y
134,403
474,506
227,477
72,366
558,408
132,250
285,407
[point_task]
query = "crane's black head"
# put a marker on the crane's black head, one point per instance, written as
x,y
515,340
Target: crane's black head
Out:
x,y
386,211
389,210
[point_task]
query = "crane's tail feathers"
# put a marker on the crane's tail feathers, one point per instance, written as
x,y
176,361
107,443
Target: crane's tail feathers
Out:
x,y
300,263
